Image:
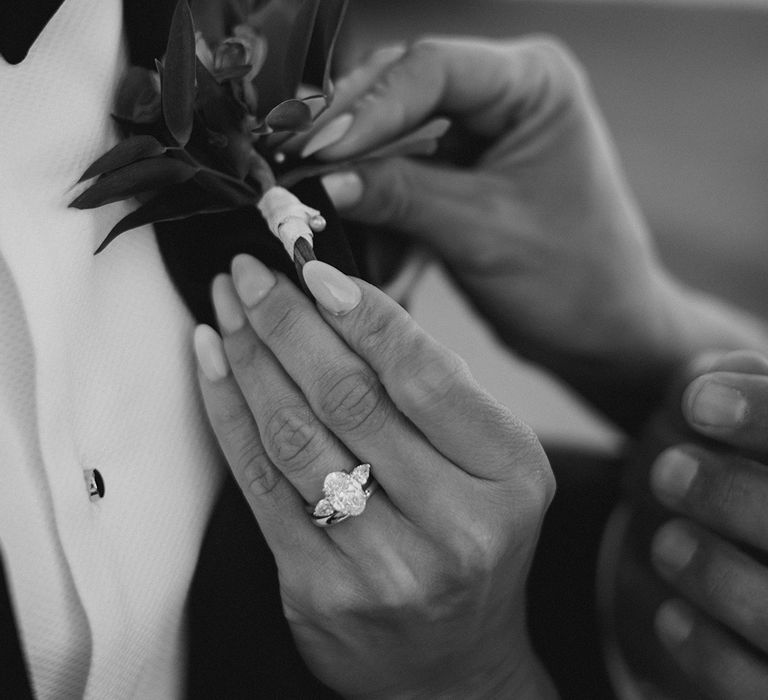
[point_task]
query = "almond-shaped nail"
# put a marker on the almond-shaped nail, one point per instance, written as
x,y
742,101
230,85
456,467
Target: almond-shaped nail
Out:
x,y
332,289
712,404
253,279
210,353
344,188
331,133
672,474
229,310
674,623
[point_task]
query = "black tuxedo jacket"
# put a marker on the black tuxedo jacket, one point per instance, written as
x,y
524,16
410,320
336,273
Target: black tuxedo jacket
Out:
x,y
239,642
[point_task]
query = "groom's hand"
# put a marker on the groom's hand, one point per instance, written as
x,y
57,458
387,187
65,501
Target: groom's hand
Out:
x,y
715,553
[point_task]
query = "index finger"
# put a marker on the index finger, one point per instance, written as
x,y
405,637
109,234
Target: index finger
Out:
x,y
429,383
487,85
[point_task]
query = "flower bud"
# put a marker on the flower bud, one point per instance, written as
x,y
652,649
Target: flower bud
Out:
x,y
231,53
203,51
138,97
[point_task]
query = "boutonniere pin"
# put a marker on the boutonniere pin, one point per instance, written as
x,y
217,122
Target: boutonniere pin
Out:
x,y
203,132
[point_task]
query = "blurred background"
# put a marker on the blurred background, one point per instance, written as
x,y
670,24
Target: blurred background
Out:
x,y
684,87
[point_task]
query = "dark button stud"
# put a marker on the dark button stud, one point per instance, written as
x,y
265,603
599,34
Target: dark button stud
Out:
x,y
95,483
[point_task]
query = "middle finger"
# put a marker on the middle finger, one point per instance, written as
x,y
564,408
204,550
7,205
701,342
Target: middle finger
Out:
x,y
341,390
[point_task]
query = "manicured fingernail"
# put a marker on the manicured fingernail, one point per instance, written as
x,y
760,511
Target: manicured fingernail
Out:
x,y
253,279
674,623
210,353
331,133
673,473
716,405
673,548
345,189
229,311
333,289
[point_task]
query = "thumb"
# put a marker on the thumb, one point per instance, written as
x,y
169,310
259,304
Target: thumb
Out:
x,y
437,205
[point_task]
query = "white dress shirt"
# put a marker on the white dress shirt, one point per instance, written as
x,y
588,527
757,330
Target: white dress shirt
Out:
x,y
96,372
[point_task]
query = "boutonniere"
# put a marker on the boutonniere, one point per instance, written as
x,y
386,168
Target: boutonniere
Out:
x,y
203,132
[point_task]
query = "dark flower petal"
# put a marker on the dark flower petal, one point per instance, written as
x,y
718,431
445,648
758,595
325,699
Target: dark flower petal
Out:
x,y
178,85
291,115
230,53
145,175
132,149
138,96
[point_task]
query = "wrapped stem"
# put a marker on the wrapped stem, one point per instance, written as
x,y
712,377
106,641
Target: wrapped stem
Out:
x,y
292,222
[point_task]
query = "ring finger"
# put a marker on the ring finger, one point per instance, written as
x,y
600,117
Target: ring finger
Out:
x,y
345,393
297,443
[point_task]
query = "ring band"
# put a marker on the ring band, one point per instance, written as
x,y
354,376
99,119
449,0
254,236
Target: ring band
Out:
x,y
345,495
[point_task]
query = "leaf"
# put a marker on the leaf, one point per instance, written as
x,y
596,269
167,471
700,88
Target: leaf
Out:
x,y
175,202
319,59
145,175
126,152
298,43
275,20
291,115
178,85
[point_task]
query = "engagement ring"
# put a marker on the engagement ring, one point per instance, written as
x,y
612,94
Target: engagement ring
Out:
x,y
346,494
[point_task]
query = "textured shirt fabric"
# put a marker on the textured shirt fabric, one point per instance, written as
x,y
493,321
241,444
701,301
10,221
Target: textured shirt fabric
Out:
x,y
96,372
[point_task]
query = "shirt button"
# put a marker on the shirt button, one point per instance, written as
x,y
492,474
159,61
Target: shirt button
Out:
x,y
95,484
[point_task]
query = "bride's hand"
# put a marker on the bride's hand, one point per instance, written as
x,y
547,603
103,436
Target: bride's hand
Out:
x,y
540,229
423,593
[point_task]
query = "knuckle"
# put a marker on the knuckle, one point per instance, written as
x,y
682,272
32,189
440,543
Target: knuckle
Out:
x,y
351,400
536,486
258,476
242,352
283,324
390,193
427,49
291,437
375,327
717,580
562,74
430,378
475,551
554,53
724,496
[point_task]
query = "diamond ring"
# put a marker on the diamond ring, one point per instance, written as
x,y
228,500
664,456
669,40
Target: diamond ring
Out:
x,y
346,494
